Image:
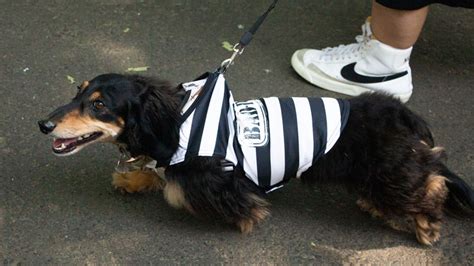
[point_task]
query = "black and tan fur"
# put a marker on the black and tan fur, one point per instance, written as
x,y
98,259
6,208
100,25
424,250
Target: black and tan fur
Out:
x,y
386,154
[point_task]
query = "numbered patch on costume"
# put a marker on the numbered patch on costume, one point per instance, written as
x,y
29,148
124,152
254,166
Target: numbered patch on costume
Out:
x,y
252,127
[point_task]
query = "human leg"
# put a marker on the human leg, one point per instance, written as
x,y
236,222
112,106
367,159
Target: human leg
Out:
x,y
373,63
397,28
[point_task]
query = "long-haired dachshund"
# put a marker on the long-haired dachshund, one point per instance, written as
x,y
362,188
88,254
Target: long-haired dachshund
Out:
x,y
221,162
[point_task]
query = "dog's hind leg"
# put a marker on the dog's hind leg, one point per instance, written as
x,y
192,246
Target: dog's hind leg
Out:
x,y
427,230
428,222
398,223
366,206
421,208
138,181
410,192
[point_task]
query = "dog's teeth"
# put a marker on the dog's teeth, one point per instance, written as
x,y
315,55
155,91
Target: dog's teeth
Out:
x,y
63,146
86,136
80,138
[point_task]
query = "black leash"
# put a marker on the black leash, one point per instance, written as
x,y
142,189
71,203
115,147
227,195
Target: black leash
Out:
x,y
246,39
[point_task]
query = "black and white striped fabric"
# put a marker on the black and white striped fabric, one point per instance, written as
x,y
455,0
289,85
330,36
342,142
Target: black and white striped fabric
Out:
x,y
272,139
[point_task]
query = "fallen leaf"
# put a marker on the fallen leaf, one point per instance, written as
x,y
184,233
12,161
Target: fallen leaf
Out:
x,y
138,69
240,27
313,244
71,79
126,30
226,45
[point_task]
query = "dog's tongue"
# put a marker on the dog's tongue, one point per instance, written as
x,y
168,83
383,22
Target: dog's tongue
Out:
x,y
58,142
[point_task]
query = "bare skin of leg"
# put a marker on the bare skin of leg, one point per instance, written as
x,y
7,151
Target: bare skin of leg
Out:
x,y
397,28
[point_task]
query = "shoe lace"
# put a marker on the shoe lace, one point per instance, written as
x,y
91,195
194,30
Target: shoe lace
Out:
x,y
348,51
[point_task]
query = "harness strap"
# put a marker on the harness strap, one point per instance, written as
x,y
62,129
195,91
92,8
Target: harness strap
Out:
x,y
227,168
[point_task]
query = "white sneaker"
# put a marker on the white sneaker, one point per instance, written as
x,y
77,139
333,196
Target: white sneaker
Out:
x,y
365,66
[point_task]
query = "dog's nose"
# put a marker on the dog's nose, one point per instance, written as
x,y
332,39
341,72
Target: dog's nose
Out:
x,y
46,126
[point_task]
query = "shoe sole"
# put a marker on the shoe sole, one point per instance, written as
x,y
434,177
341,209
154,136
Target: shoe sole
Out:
x,y
324,82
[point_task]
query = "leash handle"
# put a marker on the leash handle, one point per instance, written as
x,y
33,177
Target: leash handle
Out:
x,y
246,39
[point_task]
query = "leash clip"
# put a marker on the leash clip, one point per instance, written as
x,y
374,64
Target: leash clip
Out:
x,y
245,39
238,50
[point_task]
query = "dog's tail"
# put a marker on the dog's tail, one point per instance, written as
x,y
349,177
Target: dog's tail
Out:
x,y
460,201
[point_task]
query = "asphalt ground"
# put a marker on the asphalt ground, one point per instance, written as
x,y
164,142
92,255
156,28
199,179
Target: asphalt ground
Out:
x,y
64,210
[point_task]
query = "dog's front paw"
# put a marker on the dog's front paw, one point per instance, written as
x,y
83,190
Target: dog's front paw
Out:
x,y
246,225
257,214
137,181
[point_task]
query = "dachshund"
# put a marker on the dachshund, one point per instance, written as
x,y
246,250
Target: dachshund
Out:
x,y
383,152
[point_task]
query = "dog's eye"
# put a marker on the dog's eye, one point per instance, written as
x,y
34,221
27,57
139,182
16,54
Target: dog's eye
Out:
x,y
98,104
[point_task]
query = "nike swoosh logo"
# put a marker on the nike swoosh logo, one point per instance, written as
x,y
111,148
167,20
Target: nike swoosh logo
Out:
x,y
348,72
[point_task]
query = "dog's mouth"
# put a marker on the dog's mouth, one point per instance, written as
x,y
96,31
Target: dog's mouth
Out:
x,y
68,145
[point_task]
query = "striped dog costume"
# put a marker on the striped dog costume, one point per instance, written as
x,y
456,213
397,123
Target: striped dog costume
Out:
x,y
271,139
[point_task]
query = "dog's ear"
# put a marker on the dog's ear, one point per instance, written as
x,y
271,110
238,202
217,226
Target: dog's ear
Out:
x,y
151,125
159,123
